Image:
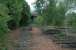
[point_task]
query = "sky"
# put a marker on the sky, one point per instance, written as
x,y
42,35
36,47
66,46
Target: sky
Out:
x,y
30,2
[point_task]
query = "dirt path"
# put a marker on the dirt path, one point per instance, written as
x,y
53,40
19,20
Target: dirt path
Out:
x,y
20,39
33,41
41,42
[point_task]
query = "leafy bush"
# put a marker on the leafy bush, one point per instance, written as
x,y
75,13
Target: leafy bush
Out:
x,y
3,19
39,20
11,12
72,20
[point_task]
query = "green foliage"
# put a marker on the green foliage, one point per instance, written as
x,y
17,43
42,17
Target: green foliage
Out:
x,y
39,4
52,15
15,8
4,17
18,9
12,10
72,20
25,19
60,15
39,20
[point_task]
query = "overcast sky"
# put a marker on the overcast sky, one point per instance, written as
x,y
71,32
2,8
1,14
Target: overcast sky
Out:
x,y
30,2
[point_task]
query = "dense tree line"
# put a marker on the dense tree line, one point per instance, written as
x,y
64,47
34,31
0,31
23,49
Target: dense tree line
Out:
x,y
13,14
54,12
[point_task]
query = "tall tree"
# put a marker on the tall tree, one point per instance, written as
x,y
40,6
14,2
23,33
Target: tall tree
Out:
x,y
17,10
40,5
12,11
53,15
